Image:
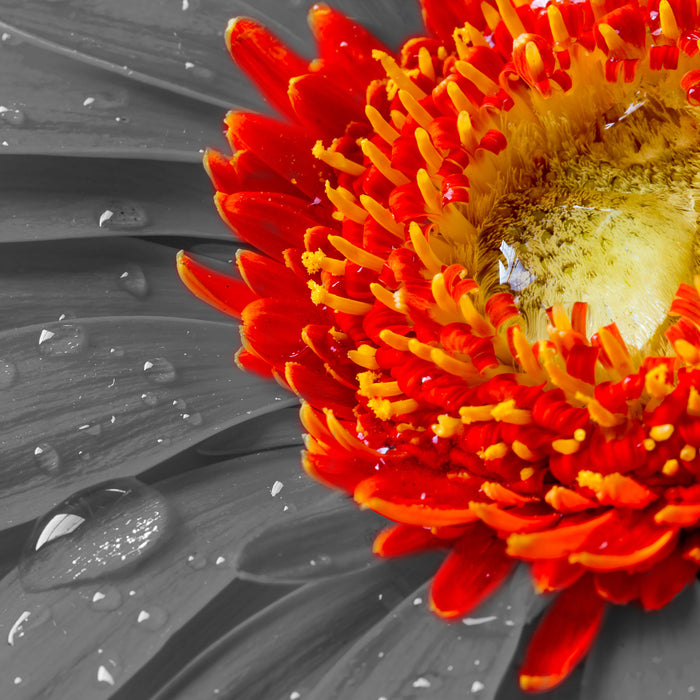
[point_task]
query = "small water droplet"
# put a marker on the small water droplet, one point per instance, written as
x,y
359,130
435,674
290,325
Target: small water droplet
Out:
x,y
152,618
11,39
13,115
93,429
163,441
196,561
180,404
424,685
27,620
121,215
117,353
60,339
109,668
106,598
8,374
200,72
192,418
149,398
133,280
47,458
159,371
94,533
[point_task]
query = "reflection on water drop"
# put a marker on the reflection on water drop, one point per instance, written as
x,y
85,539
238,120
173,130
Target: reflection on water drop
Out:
x,y
60,339
133,280
159,371
95,533
8,373
13,115
152,618
28,620
109,668
93,429
106,598
149,398
192,418
47,458
196,561
180,404
424,684
121,215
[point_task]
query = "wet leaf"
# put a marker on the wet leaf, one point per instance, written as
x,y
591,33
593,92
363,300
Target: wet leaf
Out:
x,y
121,623
56,105
178,44
414,654
279,653
50,198
115,277
92,399
647,655
331,538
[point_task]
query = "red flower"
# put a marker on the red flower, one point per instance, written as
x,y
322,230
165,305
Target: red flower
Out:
x,y
413,214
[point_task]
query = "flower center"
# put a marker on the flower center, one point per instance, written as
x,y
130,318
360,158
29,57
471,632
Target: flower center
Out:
x,y
610,219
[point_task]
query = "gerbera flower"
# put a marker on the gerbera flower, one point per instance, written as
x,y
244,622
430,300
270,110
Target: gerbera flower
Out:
x,y
458,269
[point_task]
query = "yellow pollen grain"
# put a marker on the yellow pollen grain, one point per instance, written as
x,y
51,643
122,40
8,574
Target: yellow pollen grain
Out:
x,y
314,261
566,447
481,80
337,160
510,18
394,340
364,356
396,73
415,109
506,412
496,451
579,435
380,125
560,33
383,295
523,451
688,453
447,426
589,479
655,382
343,201
669,26
526,473
422,248
382,163
425,63
670,467
475,414
615,44
659,433
356,254
382,216
648,444
319,295
429,192
430,154
385,409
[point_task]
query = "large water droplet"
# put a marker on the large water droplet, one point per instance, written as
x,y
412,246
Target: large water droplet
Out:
x,y
13,115
59,339
28,620
152,618
123,215
106,598
94,533
159,371
193,419
8,373
134,281
47,458
149,398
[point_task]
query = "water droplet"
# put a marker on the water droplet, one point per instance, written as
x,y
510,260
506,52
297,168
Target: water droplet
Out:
x,y
424,685
109,668
196,561
28,620
46,458
8,374
94,533
149,398
109,99
159,371
13,115
62,339
117,353
152,618
193,418
106,598
134,281
93,429
199,72
123,215
180,404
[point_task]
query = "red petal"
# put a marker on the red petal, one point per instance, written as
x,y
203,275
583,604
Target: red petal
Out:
x,y
269,278
551,575
319,389
474,569
563,638
401,540
265,59
665,580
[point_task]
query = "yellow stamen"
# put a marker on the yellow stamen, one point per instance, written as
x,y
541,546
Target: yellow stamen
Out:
x,y
526,357
533,58
446,308
343,201
560,34
421,350
506,412
394,340
344,437
670,467
479,324
694,402
355,254
600,414
659,433
669,26
490,15
566,447
430,154
398,118
314,261
510,18
496,451
430,193
383,295
337,160
526,473
423,250
382,216
382,163
688,453
319,295
415,109
370,387
380,125
648,444
615,44
385,409
475,414
447,426
465,127
425,62
481,80
579,435
523,451
397,74
655,382
364,356
617,354
452,365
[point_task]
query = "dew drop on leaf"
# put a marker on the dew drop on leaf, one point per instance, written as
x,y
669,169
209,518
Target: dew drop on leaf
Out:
x,y
47,458
106,598
8,373
133,280
152,618
122,215
14,116
159,371
60,339
95,533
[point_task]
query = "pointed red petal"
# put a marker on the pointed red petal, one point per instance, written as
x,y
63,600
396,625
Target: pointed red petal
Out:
x,y
563,638
265,59
401,540
319,389
269,278
476,567
551,575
